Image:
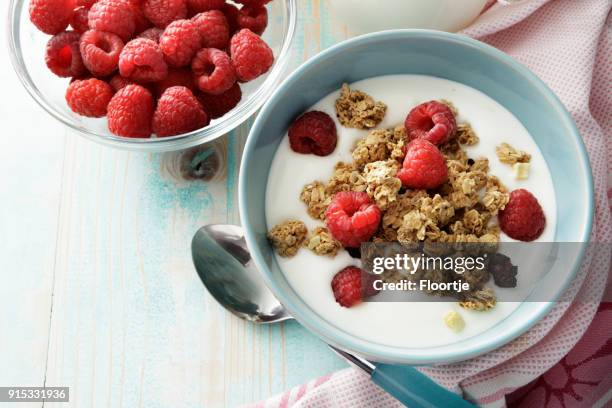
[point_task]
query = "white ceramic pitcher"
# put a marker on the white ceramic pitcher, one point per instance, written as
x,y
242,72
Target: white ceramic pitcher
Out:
x,y
365,16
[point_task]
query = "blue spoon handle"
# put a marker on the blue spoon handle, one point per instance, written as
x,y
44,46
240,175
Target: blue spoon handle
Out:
x,y
414,389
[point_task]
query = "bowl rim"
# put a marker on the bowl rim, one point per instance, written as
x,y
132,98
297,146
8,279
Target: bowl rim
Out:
x,y
183,141
403,355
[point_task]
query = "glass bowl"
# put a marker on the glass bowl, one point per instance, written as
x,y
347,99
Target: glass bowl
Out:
x,y
27,51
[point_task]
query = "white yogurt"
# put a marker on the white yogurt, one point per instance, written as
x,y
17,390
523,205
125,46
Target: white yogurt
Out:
x,y
406,324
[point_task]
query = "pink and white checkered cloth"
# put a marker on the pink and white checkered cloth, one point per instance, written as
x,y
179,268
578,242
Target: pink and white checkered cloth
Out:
x,y
568,44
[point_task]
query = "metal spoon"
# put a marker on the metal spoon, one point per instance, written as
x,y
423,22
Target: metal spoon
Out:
x,y
223,262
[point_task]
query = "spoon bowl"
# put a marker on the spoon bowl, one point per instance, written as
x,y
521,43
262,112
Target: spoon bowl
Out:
x,y
224,265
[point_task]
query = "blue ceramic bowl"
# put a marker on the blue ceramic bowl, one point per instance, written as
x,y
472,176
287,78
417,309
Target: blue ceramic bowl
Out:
x,y
443,55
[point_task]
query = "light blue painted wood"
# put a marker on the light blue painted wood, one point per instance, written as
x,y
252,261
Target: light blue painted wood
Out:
x,y
130,324
30,191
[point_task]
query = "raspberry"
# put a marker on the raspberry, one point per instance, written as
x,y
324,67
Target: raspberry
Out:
x,y
63,57
251,56
141,22
152,33
51,16
424,166
351,285
118,82
253,18
313,132
231,15
352,218
142,60
178,111
213,28
176,77
522,218
130,112
100,51
218,105
213,71
433,121
79,20
163,12
113,16
179,42
89,97
85,3
198,6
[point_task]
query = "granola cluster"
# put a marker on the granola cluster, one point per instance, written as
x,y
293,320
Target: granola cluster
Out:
x,y
381,183
357,109
321,242
462,211
509,155
316,197
466,135
380,144
288,237
479,300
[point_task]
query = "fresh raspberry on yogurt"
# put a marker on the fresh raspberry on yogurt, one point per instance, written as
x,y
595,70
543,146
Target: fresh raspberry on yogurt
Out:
x,y
352,218
313,132
522,218
424,166
433,121
351,285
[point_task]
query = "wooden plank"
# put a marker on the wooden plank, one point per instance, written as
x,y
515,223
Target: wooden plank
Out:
x,y
31,160
132,325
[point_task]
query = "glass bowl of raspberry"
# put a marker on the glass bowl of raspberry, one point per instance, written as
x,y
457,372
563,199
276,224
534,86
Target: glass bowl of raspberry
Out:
x,y
77,65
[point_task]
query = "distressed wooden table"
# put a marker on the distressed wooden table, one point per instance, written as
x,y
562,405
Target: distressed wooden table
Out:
x,y
99,293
